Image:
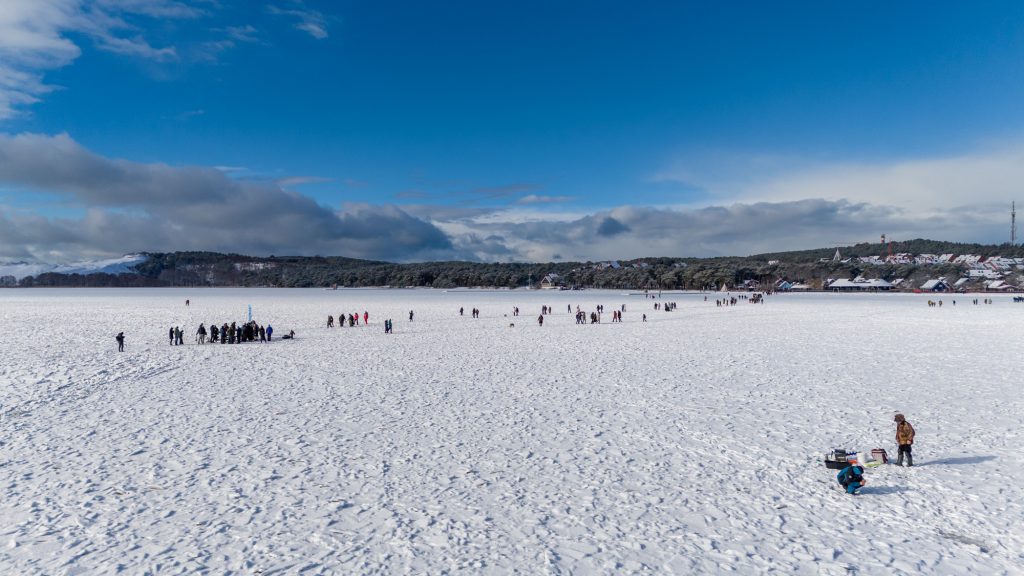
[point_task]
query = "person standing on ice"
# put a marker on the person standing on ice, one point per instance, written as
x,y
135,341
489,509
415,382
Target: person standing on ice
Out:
x,y
410,315
366,317
270,332
540,320
120,341
905,439
170,336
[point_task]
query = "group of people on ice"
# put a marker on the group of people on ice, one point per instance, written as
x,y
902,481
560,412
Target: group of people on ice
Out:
x,y
235,333
352,319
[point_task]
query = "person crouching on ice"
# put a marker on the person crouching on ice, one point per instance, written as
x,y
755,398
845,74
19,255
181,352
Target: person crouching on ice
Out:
x,y
851,478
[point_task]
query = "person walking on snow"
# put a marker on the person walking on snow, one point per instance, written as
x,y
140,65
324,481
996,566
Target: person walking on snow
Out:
x,y
120,341
905,439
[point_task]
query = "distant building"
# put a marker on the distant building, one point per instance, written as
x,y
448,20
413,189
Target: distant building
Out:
x,y
551,281
859,284
936,285
984,273
999,286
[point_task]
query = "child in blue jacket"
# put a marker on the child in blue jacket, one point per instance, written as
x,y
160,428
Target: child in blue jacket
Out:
x,y
851,478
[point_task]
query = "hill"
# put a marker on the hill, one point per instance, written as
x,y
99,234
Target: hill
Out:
x,y
813,267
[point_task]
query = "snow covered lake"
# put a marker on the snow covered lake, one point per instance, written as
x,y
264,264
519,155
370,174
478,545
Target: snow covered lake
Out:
x,y
691,443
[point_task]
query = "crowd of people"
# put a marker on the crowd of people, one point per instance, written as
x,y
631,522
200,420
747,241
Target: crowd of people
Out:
x,y
234,333
352,319
251,331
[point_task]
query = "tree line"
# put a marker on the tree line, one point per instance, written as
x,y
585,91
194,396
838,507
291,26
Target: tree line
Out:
x,y
215,269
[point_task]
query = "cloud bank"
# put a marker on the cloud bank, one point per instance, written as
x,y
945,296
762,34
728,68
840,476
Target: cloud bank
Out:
x,y
131,206
123,206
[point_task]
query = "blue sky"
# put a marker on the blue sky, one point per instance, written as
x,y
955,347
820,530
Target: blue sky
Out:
x,y
522,131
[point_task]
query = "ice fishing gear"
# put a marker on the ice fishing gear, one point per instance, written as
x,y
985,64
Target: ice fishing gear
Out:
x,y
839,458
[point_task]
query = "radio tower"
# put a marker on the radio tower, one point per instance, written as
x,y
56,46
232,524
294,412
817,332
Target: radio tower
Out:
x,y
1013,224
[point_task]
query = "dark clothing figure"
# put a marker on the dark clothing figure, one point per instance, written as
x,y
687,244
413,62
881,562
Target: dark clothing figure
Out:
x,y
263,334
330,321
460,311
410,315
270,333
170,336
540,320
120,341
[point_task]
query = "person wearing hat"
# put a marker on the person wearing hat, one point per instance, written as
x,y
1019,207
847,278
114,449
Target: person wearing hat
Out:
x,y
905,439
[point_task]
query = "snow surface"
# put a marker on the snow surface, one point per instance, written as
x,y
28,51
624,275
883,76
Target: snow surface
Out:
x,y
688,444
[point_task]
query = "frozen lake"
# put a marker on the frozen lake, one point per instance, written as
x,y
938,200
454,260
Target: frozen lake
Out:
x,y
687,444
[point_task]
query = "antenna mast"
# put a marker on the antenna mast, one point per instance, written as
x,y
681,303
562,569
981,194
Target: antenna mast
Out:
x,y
1013,223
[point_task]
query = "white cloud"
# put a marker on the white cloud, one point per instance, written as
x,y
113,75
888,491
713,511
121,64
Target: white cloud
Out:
x,y
984,177
310,21
541,199
936,184
131,206
34,38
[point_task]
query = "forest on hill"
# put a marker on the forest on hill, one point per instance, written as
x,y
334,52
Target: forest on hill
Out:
x,y
813,267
